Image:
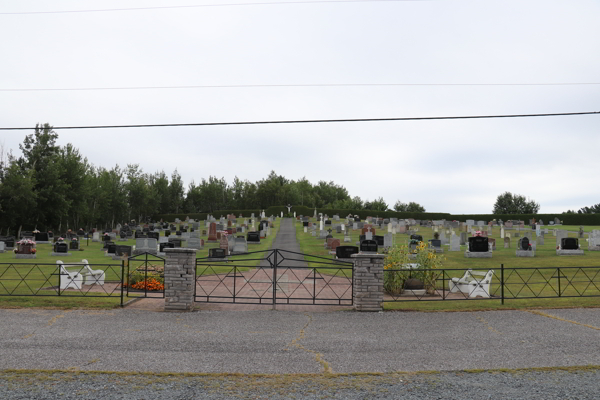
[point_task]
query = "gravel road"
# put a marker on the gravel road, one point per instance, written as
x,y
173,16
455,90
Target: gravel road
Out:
x,y
546,385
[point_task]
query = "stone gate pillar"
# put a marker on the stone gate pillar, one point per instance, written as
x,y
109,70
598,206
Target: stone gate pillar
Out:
x,y
368,282
180,279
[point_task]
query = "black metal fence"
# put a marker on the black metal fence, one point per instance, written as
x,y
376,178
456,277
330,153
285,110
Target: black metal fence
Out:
x,y
73,279
274,277
498,284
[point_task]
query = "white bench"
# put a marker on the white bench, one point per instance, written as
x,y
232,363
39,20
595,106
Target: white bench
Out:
x,y
473,283
83,276
69,279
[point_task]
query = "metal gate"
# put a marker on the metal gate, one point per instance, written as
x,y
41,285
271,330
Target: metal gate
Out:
x,y
145,276
274,277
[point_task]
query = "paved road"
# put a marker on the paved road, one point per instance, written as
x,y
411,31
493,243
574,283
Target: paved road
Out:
x,y
293,342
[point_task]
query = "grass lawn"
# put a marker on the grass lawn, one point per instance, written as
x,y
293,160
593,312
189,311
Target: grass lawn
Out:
x,y
37,279
517,271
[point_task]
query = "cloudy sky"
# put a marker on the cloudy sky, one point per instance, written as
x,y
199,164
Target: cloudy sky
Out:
x,y
321,60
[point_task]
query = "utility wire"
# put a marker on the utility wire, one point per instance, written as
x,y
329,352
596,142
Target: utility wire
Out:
x,y
262,3
289,86
309,121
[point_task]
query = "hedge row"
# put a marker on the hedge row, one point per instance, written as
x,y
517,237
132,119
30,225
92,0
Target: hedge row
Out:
x,y
568,219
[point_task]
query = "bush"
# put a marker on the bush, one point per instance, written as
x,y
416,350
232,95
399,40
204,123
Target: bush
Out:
x,y
397,270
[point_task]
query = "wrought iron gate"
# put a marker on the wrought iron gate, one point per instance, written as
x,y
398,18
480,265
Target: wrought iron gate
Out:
x,y
274,277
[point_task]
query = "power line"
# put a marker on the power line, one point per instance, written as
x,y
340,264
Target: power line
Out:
x,y
262,3
308,121
289,86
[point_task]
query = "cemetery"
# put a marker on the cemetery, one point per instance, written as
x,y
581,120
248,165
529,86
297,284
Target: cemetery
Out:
x,y
423,260
529,254
58,267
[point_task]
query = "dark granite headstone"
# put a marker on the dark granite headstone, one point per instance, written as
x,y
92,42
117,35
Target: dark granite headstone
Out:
x,y
368,246
478,244
216,253
345,251
569,243
61,247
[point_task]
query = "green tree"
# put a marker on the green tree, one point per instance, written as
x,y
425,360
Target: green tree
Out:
x,y
17,197
410,207
507,203
41,157
176,193
376,205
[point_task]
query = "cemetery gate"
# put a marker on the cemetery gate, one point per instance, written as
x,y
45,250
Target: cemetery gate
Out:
x,y
274,277
144,276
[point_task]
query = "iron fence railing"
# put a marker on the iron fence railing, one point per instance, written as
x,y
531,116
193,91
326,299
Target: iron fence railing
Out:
x,y
504,283
73,279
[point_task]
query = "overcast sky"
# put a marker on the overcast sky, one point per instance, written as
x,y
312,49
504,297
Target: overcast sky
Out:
x,y
457,166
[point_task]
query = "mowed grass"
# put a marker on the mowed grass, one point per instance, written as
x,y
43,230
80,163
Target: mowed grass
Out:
x,y
521,277
35,282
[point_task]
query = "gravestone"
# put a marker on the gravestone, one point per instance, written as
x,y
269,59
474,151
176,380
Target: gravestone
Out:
x,y
123,250
253,238
492,243
560,234
368,246
455,242
388,240
463,238
436,245
345,251
145,245
60,248
212,233
216,253
96,237
2,247
240,246
507,242
195,243
335,243
478,248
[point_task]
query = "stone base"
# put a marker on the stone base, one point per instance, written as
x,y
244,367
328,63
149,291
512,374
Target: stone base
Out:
x,y
211,241
412,256
569,252
117,258
253,242
594,248
44,242
525,253
9,248
332,253
478,254
26,256
95,240
109,254
59,254
437,249
122,240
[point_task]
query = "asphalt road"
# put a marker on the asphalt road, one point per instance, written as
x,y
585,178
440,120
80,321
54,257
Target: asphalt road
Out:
x,y
291,342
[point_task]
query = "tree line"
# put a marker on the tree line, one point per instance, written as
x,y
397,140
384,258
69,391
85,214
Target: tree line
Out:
x,y
52,187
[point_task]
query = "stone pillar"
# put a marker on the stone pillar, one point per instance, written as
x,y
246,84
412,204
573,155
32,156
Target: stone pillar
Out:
x,y
180,279
368,282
